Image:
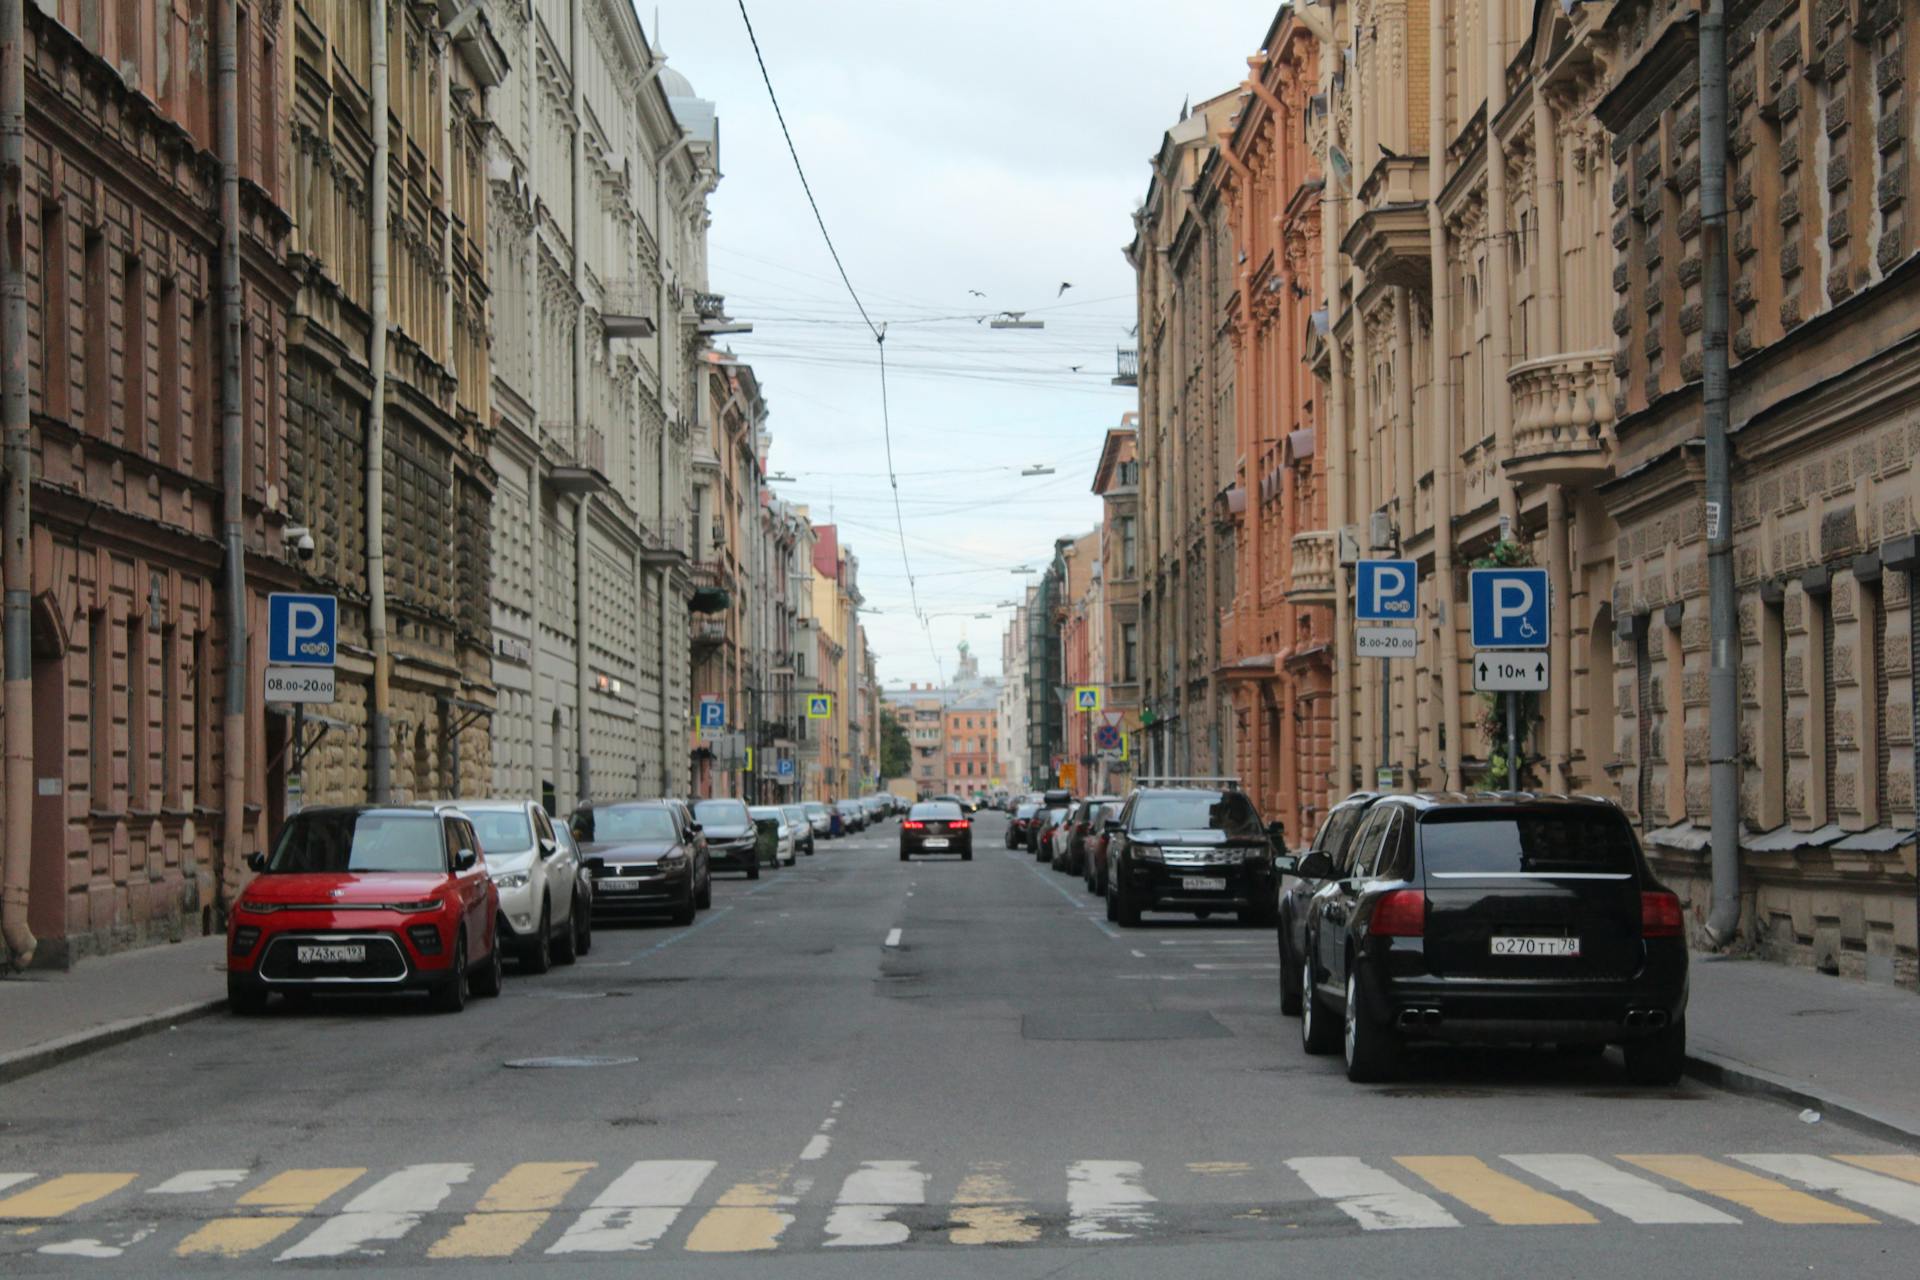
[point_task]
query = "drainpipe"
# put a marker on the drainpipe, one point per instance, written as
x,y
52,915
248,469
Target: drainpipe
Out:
x,y
379,725
18,558
1408,755
1337,441
1723,922
1498,248
666,239
1559,695
582,650
581,678
1447,450
234,729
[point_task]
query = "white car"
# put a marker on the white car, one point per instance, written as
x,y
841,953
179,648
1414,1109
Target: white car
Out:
x,y
802,827
545,914
784,851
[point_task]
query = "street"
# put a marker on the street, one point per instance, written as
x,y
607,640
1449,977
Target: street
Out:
x,y
863,1067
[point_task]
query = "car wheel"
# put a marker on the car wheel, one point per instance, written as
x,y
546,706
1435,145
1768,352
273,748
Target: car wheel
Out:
x,y
1126,910
684,913
245,999
1289,977
809,848
566,947
903,855
753,868
538,958
492,974
1112,914
1660,1058
1318,1033
451,996
582,928
1372,1051
704,899
966,855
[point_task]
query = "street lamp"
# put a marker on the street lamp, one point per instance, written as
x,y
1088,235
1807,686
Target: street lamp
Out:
x,y
1037,469
781,477
1025,568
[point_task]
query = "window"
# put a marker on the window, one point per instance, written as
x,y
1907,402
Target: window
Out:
x,y
100,709
1596,841
57,375
1873,727
139,744
1829,741
170,744
1771,751
1129,651
167,432
1129,547
99,371
134,356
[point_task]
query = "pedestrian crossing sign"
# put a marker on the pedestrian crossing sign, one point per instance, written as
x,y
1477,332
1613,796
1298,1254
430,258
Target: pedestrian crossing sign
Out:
x,y
1086,697
819,706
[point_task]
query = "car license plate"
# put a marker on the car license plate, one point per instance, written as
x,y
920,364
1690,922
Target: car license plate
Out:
x,y
617,885
352,953
1536,946
1202,882
935,844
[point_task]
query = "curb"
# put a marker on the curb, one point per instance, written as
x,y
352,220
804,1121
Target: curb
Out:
x,y
50,1053
1736,1077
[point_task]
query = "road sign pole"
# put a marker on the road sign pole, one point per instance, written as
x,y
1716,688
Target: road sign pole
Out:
x,y
1386,719
1513,742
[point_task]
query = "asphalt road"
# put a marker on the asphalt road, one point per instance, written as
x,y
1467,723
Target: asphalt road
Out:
x,y
1008,1086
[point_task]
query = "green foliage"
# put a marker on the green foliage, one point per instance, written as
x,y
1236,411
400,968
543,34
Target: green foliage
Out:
x,y
1505,554
896,757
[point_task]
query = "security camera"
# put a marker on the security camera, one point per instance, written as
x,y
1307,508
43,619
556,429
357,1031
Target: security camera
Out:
x,y
300,538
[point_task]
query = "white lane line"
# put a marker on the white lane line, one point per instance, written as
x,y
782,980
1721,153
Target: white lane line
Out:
x,y
1634,1198
817,1146
637,1207
385,1211
893,938
1139,955
1371,1198
1890,1196
1271,964
195,1181
1216,942
862,1214
1106,1201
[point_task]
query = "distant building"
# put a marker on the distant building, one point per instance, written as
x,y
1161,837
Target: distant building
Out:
x,y
953,731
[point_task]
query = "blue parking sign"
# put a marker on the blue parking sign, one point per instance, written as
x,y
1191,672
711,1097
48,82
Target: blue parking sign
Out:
x,y
713,713
302,630
1385,590
1509,608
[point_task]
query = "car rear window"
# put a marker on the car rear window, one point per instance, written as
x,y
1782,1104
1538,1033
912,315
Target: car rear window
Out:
x,y
1227,811
331,843
605,826
502,830
1504,842
1026,811
722,813
939,810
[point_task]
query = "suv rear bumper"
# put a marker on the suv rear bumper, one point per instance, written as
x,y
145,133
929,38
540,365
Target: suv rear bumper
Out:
x,y
1569,1012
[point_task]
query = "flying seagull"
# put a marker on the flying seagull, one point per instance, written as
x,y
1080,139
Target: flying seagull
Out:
x,y
976,293
1064,286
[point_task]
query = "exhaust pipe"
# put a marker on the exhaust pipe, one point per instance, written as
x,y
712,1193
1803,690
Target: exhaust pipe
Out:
x,y
1636,1017
1657,1018
1408,1019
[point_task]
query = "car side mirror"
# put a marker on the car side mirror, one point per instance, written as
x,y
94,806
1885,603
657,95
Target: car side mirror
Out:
x,y
1285,863
596,862
1113,824
256,861
1315,864
465,860
548,847
696,828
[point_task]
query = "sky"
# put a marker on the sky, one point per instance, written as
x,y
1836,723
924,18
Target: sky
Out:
x,y
993,147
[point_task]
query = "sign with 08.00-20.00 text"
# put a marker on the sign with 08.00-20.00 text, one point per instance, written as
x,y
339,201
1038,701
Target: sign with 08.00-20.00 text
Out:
x,y
1386,642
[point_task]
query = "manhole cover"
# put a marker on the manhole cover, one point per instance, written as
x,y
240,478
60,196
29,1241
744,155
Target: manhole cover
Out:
x,y
587,1060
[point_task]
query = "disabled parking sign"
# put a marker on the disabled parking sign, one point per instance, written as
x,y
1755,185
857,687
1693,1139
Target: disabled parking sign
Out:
x,y
1509,608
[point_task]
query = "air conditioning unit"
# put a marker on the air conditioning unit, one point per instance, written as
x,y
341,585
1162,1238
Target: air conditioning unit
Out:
x,y
719,535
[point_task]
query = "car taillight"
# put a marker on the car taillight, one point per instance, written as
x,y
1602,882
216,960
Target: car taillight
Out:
x,y
960,825
243,939
911,825
1659,914
1400,914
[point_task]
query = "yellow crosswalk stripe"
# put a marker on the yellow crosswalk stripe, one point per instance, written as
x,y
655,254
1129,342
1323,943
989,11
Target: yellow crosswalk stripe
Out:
x,y
988,1212
746,1219
62,1195
282,1199
1907,1167
1507,1200
512,1210
1772,1200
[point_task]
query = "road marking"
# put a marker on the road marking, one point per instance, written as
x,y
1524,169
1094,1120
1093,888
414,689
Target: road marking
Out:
x,y
1139,954
1508,1201
816,1147
861,1215
1883,1195
88,1247
234,1237
1907,1167
1371,1198
893,938
1769,1199
299,1190
986,1210
384,1212
196,1181
1105,1200
637,1208
63,1195
511,1211
285,1195
1634,1198
1215,942
1270,964
15,1179
1220,1168
746,1219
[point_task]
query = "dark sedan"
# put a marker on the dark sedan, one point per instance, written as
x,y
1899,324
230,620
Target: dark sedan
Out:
x,y
1018,824
936,826
646,858
1040,832
732,839
1495,918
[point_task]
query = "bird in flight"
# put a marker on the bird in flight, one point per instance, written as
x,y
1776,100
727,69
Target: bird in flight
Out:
x,y
1076,368
1064,286
976,293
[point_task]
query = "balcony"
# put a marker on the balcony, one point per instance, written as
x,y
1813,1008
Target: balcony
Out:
x,y
1313,577
1127,367
712,587
1562,419
708,631
666,544
580,457
625,307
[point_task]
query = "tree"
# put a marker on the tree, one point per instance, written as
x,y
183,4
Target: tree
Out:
x,y
896,758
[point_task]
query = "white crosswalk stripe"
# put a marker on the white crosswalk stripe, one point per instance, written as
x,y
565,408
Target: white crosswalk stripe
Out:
x,y
1890,1196
862,1215
198,1182
1633,1197
637,1208
1375,1200
1106,1201
383,1213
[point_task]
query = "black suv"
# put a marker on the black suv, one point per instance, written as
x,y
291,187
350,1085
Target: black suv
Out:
x,y
1501,917
1190,849
1296,893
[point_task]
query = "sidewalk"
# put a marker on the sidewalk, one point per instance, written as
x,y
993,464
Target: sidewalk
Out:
x,y
48,1017
1842,1047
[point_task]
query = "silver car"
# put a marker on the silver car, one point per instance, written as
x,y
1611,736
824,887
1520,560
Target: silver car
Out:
x,y
545,914
787,835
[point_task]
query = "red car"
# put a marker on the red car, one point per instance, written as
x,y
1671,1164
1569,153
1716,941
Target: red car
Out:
x,y
365,898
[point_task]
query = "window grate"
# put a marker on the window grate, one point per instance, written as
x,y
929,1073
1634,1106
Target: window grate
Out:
x,y
1882,745
1829,744
1643,724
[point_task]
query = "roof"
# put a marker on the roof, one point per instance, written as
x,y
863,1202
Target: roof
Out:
x,y
1433,800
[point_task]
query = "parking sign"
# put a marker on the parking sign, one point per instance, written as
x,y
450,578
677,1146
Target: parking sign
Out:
x,y
302,630
713,714
1385,591
1509,608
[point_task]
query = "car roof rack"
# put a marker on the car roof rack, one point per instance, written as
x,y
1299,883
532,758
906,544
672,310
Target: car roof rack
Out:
x,y
1182,780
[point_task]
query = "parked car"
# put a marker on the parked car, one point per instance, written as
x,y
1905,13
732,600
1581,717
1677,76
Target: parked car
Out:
x,y
936,826
731,836
1059,837
1070,844
802,826
1290,914
646,857
367,898
1040,832
879,809
820,817
1093,845
785,837
853,818
1023,815
583,881
542,905
1189,849
1493,918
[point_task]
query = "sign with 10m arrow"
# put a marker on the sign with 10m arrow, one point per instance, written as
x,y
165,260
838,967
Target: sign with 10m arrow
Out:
x,y
1495,671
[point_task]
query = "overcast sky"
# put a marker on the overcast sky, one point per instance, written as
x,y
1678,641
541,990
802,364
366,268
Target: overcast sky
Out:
x,y
994,146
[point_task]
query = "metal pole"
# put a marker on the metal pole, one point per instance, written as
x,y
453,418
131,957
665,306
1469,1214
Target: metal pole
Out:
x,y
232,482
1386,718
380,720
1723,922
1513,742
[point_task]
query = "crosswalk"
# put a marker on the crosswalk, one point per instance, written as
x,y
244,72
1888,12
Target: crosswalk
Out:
x,y
458,1210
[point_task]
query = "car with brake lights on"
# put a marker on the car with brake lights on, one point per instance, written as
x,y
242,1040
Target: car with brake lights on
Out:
x,y
1040,832
802,826
543,907
1190,848
936,826
785,837
1290,914
646,857
1023,815
732,839
1497,918
364,899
